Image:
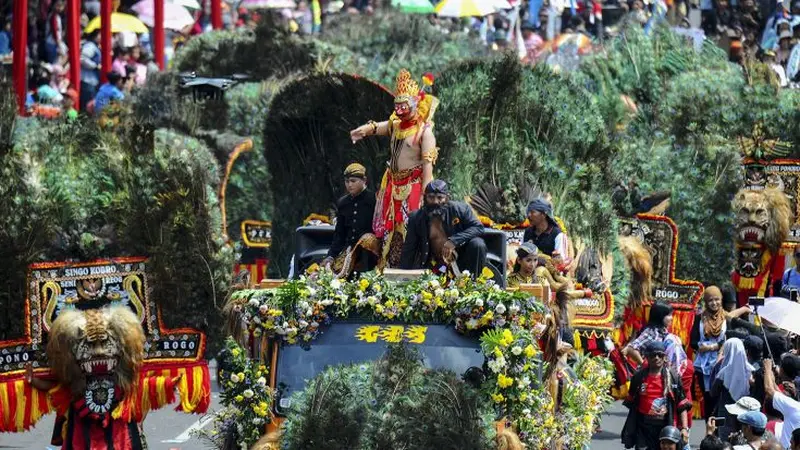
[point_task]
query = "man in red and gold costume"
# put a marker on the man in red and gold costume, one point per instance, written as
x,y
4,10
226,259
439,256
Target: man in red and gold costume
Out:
x,y
413,154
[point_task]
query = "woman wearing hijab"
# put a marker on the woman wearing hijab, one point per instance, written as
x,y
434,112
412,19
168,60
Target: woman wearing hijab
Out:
x,y
656,330
732,382
706,338
527,260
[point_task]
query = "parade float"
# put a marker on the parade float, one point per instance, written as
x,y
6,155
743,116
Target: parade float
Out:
x,y
504,344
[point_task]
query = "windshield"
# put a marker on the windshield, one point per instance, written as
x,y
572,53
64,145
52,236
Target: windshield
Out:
x,y
350,343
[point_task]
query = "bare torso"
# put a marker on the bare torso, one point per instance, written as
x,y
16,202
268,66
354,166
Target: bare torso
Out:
x,y
406,154
436,239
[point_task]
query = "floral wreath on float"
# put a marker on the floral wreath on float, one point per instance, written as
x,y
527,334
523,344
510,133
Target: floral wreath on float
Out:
x,y
510,325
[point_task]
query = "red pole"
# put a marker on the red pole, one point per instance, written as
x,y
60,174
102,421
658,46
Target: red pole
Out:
x,y
105,39
21,52
74,43
216,14
158,32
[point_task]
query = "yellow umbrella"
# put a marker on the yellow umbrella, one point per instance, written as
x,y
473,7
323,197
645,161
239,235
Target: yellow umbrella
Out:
x,y
119,23
465,8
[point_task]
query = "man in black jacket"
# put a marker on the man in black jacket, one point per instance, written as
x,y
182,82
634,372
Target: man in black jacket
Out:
x,y
354,247
655,400
443,232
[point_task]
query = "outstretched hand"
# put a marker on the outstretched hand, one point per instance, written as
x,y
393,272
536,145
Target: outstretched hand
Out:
x,y
358,134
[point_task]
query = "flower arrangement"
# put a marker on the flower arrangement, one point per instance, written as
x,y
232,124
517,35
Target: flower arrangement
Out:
x,y
509,324
246,397
298,310
585,399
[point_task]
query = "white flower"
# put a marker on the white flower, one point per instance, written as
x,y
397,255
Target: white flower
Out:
x,y
280,330
256,320
258,421
371,299
248,393
453,292
335,283
472,324
465,274
435,284
526,411
439,292
513,309
497,365
235,378
326,302
263,309
302,324
500,308
499,322
309,312
303,304
262,381
517,350
312,292
479,302
253,302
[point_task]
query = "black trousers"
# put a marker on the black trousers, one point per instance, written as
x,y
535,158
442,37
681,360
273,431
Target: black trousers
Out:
x,y
647,433
472,256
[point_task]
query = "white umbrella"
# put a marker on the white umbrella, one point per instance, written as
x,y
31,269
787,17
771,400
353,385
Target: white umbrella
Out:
x,y
782,313
268,4
176,17
191,4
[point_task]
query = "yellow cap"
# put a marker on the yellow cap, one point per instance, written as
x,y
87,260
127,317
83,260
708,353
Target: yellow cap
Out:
x,y
355,170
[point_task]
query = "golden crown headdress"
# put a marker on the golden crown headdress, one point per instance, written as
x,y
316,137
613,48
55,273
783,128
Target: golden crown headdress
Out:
x,y
406,89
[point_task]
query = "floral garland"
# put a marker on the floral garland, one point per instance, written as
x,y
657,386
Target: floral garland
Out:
x,y
510,322
515,384
297,310
246,397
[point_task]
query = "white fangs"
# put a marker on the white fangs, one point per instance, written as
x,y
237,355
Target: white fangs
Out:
x,y
109,364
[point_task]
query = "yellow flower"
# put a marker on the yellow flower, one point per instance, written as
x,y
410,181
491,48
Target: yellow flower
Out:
x,y
508,338
241,376
236,352
486,273
504,381
239,398
363,284
523,396
427,295
497,352
378,309
263,405
530,351
389,304
498,398
377,287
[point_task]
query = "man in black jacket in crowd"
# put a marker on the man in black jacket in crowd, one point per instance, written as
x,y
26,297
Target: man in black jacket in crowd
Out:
x,y
442,232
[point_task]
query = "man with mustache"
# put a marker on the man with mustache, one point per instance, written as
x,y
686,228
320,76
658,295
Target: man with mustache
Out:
x,y
443,232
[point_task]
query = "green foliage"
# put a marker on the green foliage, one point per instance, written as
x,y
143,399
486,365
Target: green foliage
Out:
x,y
248,195
525,127
387,43
307,146
691,106
80,192
388,404
268,51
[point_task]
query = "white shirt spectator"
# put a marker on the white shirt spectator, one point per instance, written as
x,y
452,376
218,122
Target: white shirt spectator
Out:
x,y
790,409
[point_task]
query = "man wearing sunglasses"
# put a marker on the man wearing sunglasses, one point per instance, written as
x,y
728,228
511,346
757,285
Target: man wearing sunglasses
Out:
x,y
655,400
